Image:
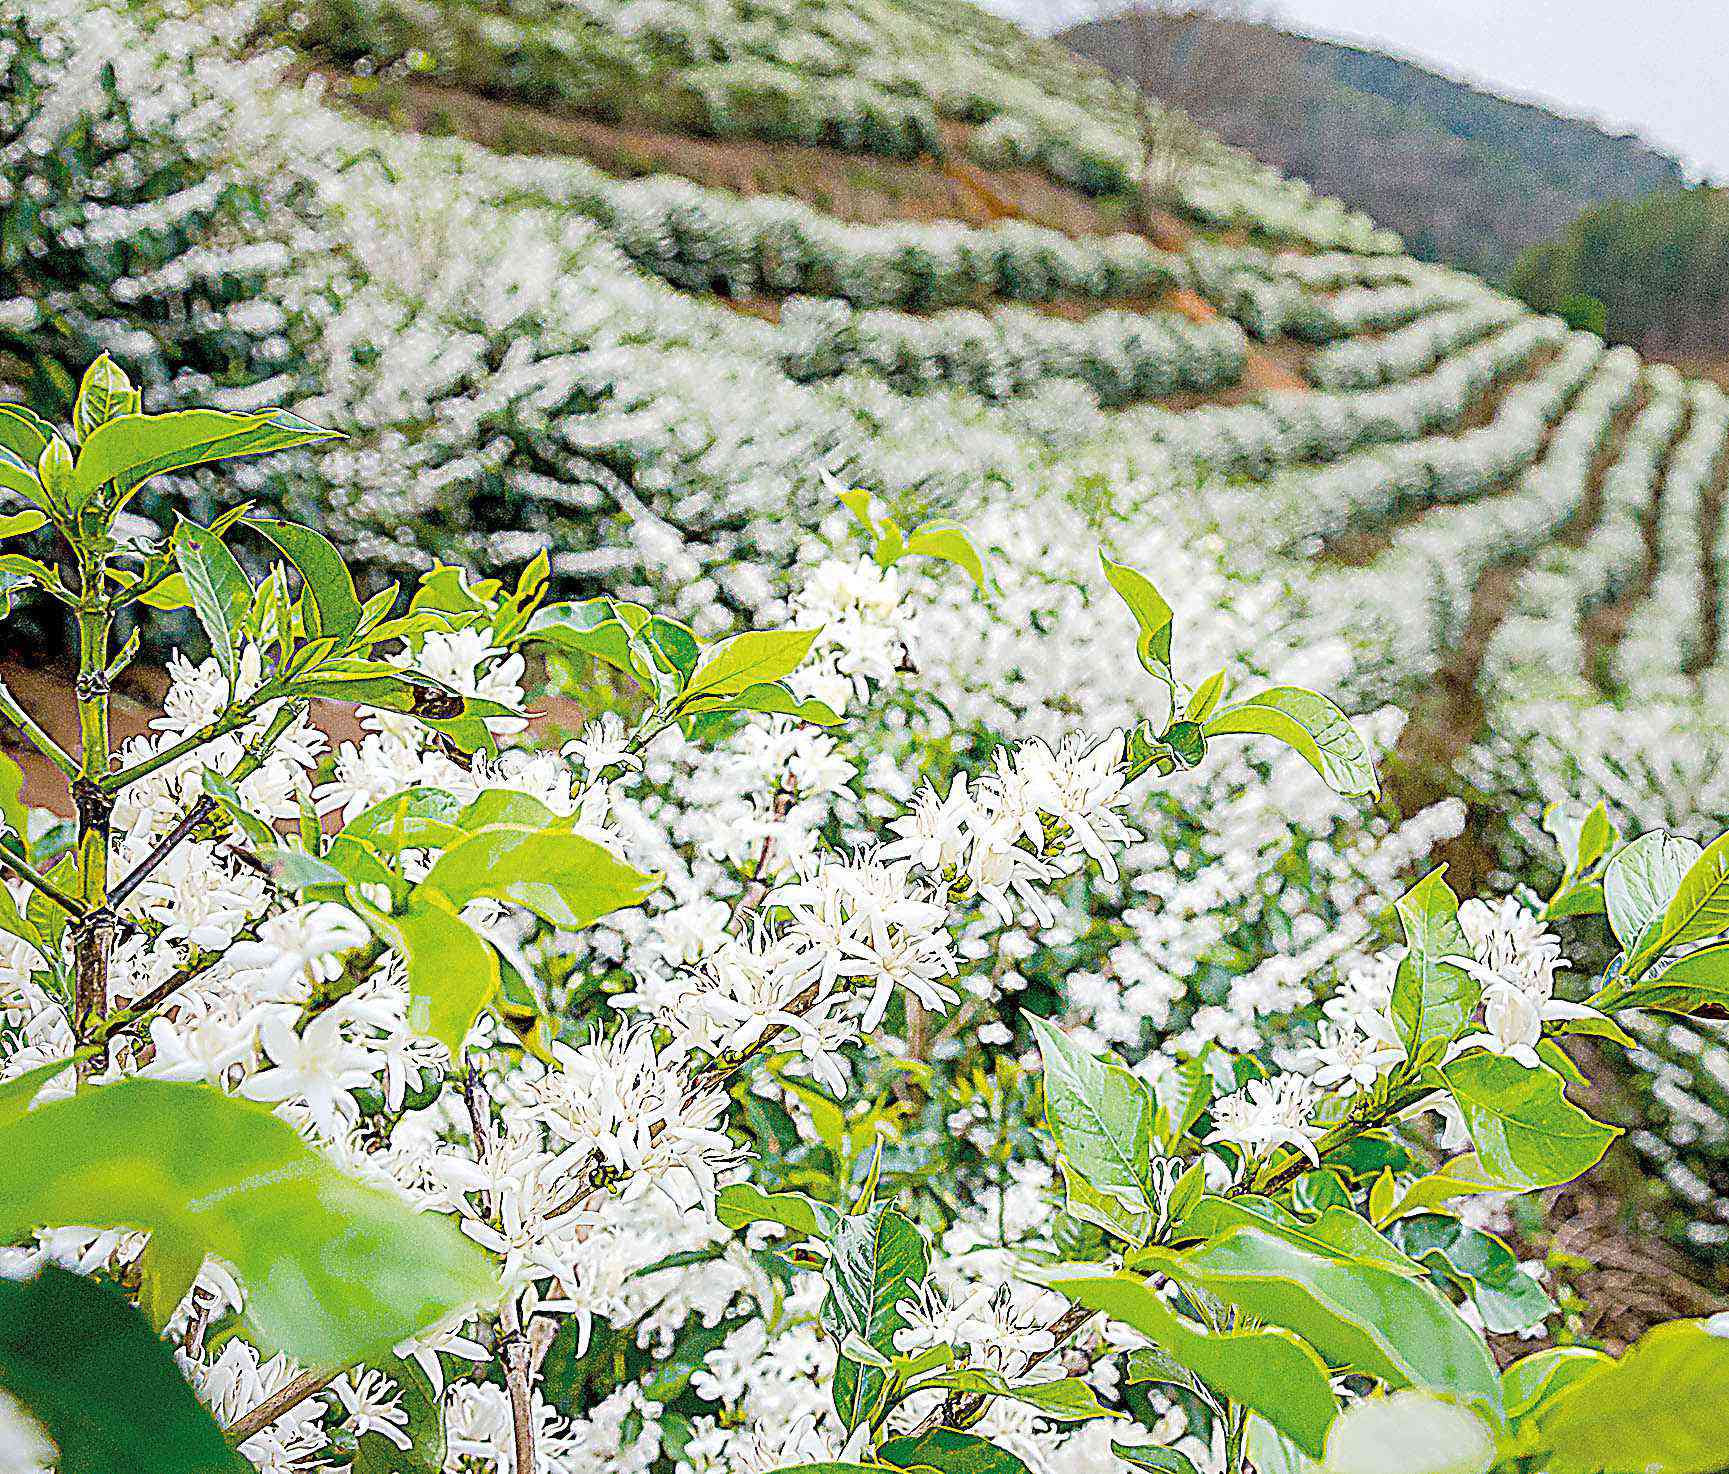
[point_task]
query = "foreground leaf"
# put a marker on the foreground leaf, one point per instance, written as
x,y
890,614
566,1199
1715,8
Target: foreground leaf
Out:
x,y
1269,1369
1310,723
335,1270
104,1387
1102,1117
1659,1409
1433,999
1526,1132
876,1259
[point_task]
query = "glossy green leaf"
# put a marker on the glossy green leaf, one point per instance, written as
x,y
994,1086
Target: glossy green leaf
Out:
x,y
565,879
1433,999
1152,1456
1508,1299
876,1259
757,657
1153,616
106,1390
1640,879
951,545
1658,1410
104,394
742,1203
1337,1232
1310,723
19,523
1697,980
770,697
221,596
1267,1369
951,1452
329,585
334,1270
19,477
1696,912
129,450
1358,1316
1102,1118
1532,1380
1181,1096
1526,1132
23,433
1462,1177
453,972
1064,1400
416,818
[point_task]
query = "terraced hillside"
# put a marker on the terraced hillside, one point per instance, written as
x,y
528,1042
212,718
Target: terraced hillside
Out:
x,y
635,283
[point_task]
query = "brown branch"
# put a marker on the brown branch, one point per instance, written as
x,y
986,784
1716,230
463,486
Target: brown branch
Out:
x,y
307,1384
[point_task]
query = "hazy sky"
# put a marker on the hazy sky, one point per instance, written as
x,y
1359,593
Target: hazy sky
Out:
x,y
1657,67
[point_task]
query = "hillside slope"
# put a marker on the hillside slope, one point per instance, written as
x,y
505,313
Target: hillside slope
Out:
x,y
1467,177
635,285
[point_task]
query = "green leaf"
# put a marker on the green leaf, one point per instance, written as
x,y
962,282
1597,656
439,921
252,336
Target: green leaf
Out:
x,y
1152,614
742,1203
105,394
94,1375
1310,723
329,585
1151,1456
1508,1299
590,628
754,658
1182,1095
1408,1433
1699,908
1659,1409
565,879
453,972
1206,698
1359,1316
1462,1177
20,523
951,545
1640,879
1532,1380
221,596
951,1452
415,819
1698,980
1432,999
335,1270
876,1259
1526,1132
1065,1400
1102,1117
129,450
19,1093
1339,1233
428,1446
24,433
1267,1369
20,478
771,697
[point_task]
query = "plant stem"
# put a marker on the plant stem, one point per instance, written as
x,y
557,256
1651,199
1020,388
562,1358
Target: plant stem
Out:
x,y
13,711
94,937
229,721
518,1376
307,1384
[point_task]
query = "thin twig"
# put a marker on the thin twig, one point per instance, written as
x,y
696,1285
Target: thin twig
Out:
x,y
518,1377
38,881
38,735
164,847
307,1384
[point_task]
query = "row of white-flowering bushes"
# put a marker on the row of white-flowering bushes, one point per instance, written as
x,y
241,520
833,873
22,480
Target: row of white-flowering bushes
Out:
x,y
707,239
871,79
1365,492
1411,606
1258,439
1272,293
1359,309
1413,349
1664,641
1120,356
1540,645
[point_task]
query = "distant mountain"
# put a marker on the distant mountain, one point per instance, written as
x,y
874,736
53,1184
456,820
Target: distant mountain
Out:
x,y
1467,177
